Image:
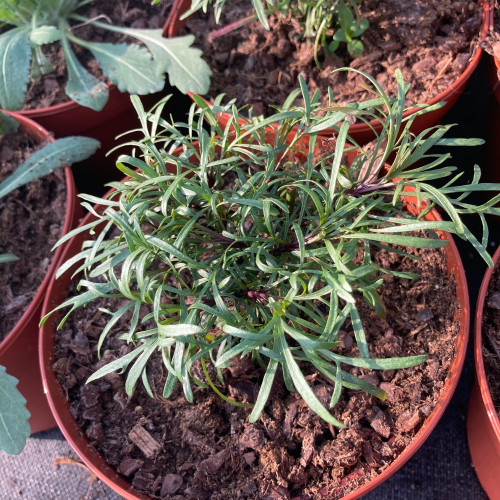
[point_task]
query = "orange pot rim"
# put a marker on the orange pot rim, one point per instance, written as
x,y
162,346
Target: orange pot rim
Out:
x,y
172,28
478,348
40,133
109,476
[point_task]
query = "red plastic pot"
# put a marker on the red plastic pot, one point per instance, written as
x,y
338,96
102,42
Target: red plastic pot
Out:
x,y
19,349
362,132
483,424
105,473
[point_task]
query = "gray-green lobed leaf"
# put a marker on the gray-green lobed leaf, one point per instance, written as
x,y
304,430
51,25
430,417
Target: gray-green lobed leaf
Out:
x,y
184,65
15,60
58,154
83,87
129,67
14,427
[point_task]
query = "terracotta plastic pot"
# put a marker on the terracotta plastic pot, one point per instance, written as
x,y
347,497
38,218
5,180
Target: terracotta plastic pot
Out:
x,y
361,132
483,424
96,463
19,349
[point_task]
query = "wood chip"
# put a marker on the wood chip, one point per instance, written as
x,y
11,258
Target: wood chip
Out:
x,y
144,441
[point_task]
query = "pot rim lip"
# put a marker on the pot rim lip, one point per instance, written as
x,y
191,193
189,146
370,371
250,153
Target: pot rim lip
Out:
x,y
124,488
478,347
454,88
40,133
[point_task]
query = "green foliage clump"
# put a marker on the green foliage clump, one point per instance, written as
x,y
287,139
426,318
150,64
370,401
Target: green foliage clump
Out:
x,y
244,240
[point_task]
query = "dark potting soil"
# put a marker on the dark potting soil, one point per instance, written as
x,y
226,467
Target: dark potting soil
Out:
x,y
171,449
31,222
491,338
139,14
430,41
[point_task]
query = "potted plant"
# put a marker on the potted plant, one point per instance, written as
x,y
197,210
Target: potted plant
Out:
x,y
251,259
99,53
270,62
483,423
20,310
133,68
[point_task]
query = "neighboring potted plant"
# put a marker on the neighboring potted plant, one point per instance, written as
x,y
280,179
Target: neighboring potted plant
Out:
x,y
483,422
242,257
133,68
19,339
67,44
266,61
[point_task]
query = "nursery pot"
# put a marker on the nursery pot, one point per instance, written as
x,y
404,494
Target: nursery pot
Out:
x,y
19,349
362,132
483,424
95,462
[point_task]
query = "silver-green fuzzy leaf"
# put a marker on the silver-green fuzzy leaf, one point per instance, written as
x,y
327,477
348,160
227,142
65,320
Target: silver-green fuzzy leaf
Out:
x,y
14,427
45,34
129,67
83,87
185,67
7,257
15,58
57,154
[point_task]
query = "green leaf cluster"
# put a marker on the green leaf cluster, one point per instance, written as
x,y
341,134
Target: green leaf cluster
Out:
x,y
327,22
245,240
133,68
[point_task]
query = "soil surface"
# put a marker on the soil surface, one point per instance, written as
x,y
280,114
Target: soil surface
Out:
x,y
171,449
430,41
31,222
491,338
139,14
